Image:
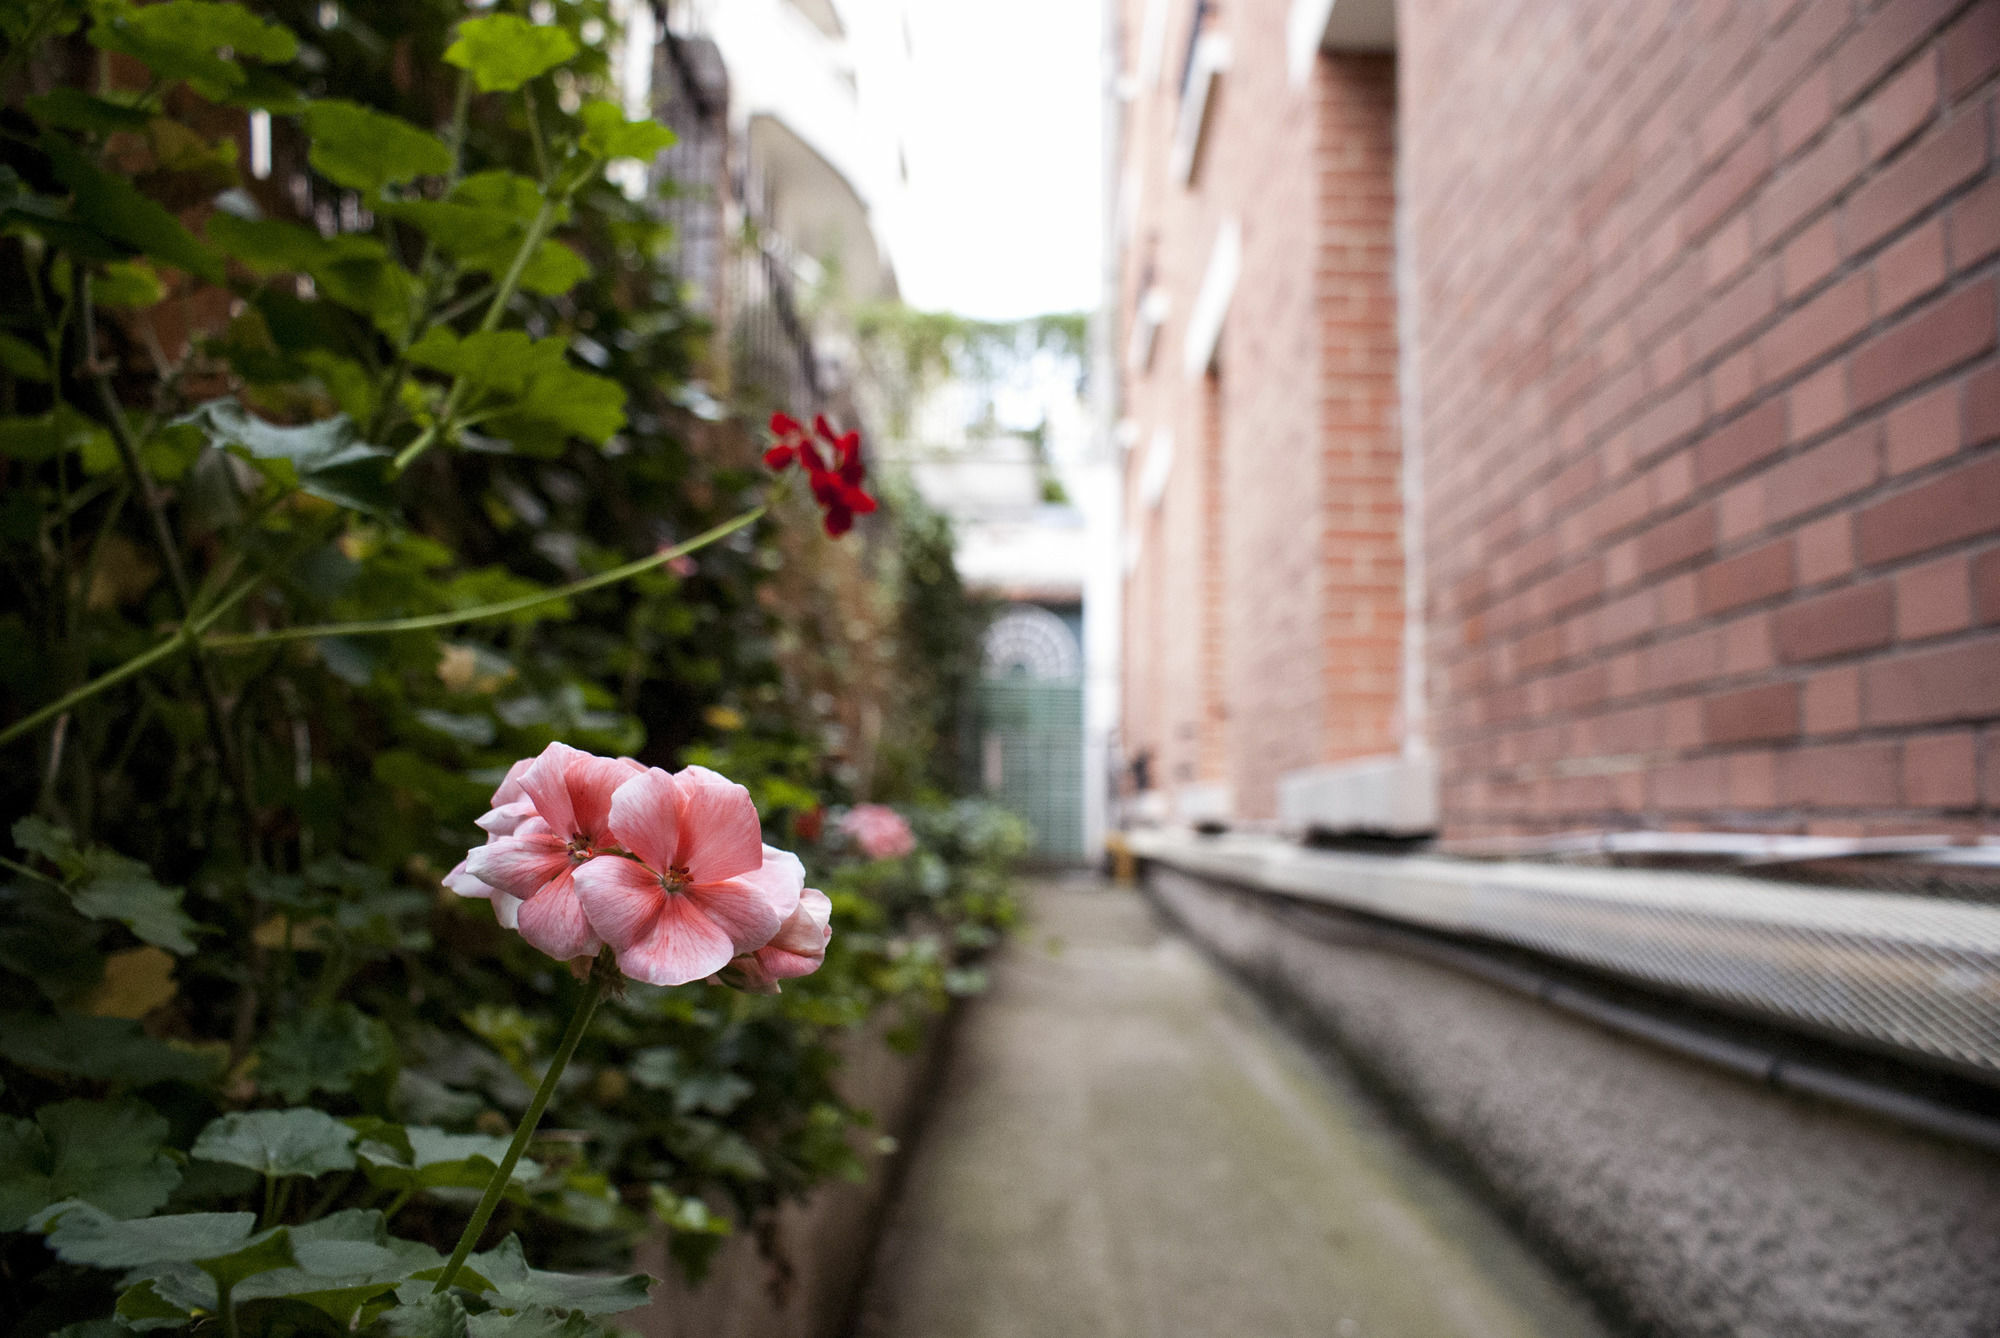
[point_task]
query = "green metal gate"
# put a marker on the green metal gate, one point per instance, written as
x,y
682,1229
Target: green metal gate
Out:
x,y
1028,748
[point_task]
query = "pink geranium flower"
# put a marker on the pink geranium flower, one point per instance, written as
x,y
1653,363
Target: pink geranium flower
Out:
x,y
797,949
700,889
511,807
879,831
567,823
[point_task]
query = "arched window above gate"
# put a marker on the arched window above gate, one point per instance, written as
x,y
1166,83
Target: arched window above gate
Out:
x,y
1028,641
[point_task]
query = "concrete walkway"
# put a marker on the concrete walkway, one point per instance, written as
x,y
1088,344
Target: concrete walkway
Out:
x,y
1126,1147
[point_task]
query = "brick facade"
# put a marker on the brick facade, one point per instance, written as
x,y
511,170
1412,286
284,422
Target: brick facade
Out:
x,y
1707,331
1701,320
1295,602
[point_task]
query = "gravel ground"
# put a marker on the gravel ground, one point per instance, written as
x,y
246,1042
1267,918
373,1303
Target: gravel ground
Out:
x,y
1126,1146
1689,1201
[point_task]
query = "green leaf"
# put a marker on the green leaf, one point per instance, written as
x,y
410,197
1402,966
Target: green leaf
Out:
x,y
263,1252
430,1317
113,206
533,1322
325,1049
107,1049
186,39
482,225
354,271
267,245
74,109
503,51
564,402
300,1141
39,836
48,435
86,1235
327,459
107,1153
359,147
514,1286
341,1263
131,284
608,134
143,1308
434,1159
92,1328
22,360
554,269
117,888
547,399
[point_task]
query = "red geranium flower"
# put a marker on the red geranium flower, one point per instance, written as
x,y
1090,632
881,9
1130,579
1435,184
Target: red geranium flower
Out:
x,y
832,463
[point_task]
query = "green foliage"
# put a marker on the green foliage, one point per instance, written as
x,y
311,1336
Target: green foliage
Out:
x,y
254,1061
504,51
301,1141
111,1154
356,146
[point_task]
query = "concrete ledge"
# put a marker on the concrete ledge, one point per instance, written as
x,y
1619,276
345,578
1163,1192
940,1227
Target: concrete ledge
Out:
x,y
1917,977
1689,1200
1396,796
1205,802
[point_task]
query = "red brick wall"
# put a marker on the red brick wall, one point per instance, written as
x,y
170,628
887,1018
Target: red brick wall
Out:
x,y
1705,316
1360,448
1263,617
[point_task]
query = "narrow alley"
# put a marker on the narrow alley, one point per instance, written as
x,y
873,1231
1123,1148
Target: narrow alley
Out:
x,y
1127,1145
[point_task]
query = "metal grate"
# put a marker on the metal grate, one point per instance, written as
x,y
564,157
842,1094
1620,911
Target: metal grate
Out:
x,y
1919,976
1030,757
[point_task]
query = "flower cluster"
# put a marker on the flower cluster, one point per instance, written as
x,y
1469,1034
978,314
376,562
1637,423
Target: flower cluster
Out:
x,y
832,462
669,869
878,830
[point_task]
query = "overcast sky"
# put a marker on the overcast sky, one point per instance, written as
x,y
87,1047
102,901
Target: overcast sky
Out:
x,y
1002,140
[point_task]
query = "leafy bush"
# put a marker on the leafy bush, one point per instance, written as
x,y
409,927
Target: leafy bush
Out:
x,y
323,495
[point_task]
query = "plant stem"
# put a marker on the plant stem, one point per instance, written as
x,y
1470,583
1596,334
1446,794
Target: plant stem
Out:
x,y
183,637
600,975
423,621
163,539
545,217
191,632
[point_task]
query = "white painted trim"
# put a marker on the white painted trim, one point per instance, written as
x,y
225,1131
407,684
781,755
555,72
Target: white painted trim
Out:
x,y
1211,304
1313,26
1305,31
1157,469
1397,795
1154,304
1152,44
1211,58
1203,801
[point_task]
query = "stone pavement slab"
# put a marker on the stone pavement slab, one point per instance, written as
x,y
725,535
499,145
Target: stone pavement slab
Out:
x,y
1125,1146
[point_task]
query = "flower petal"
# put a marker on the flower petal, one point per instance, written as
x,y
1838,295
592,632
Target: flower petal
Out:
x,y
799,946
505,818
507,910
621,898
752,906
465,885
510,786
719,834
682,944
520,865
553,921
592,781
546,782
646,817
808,929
